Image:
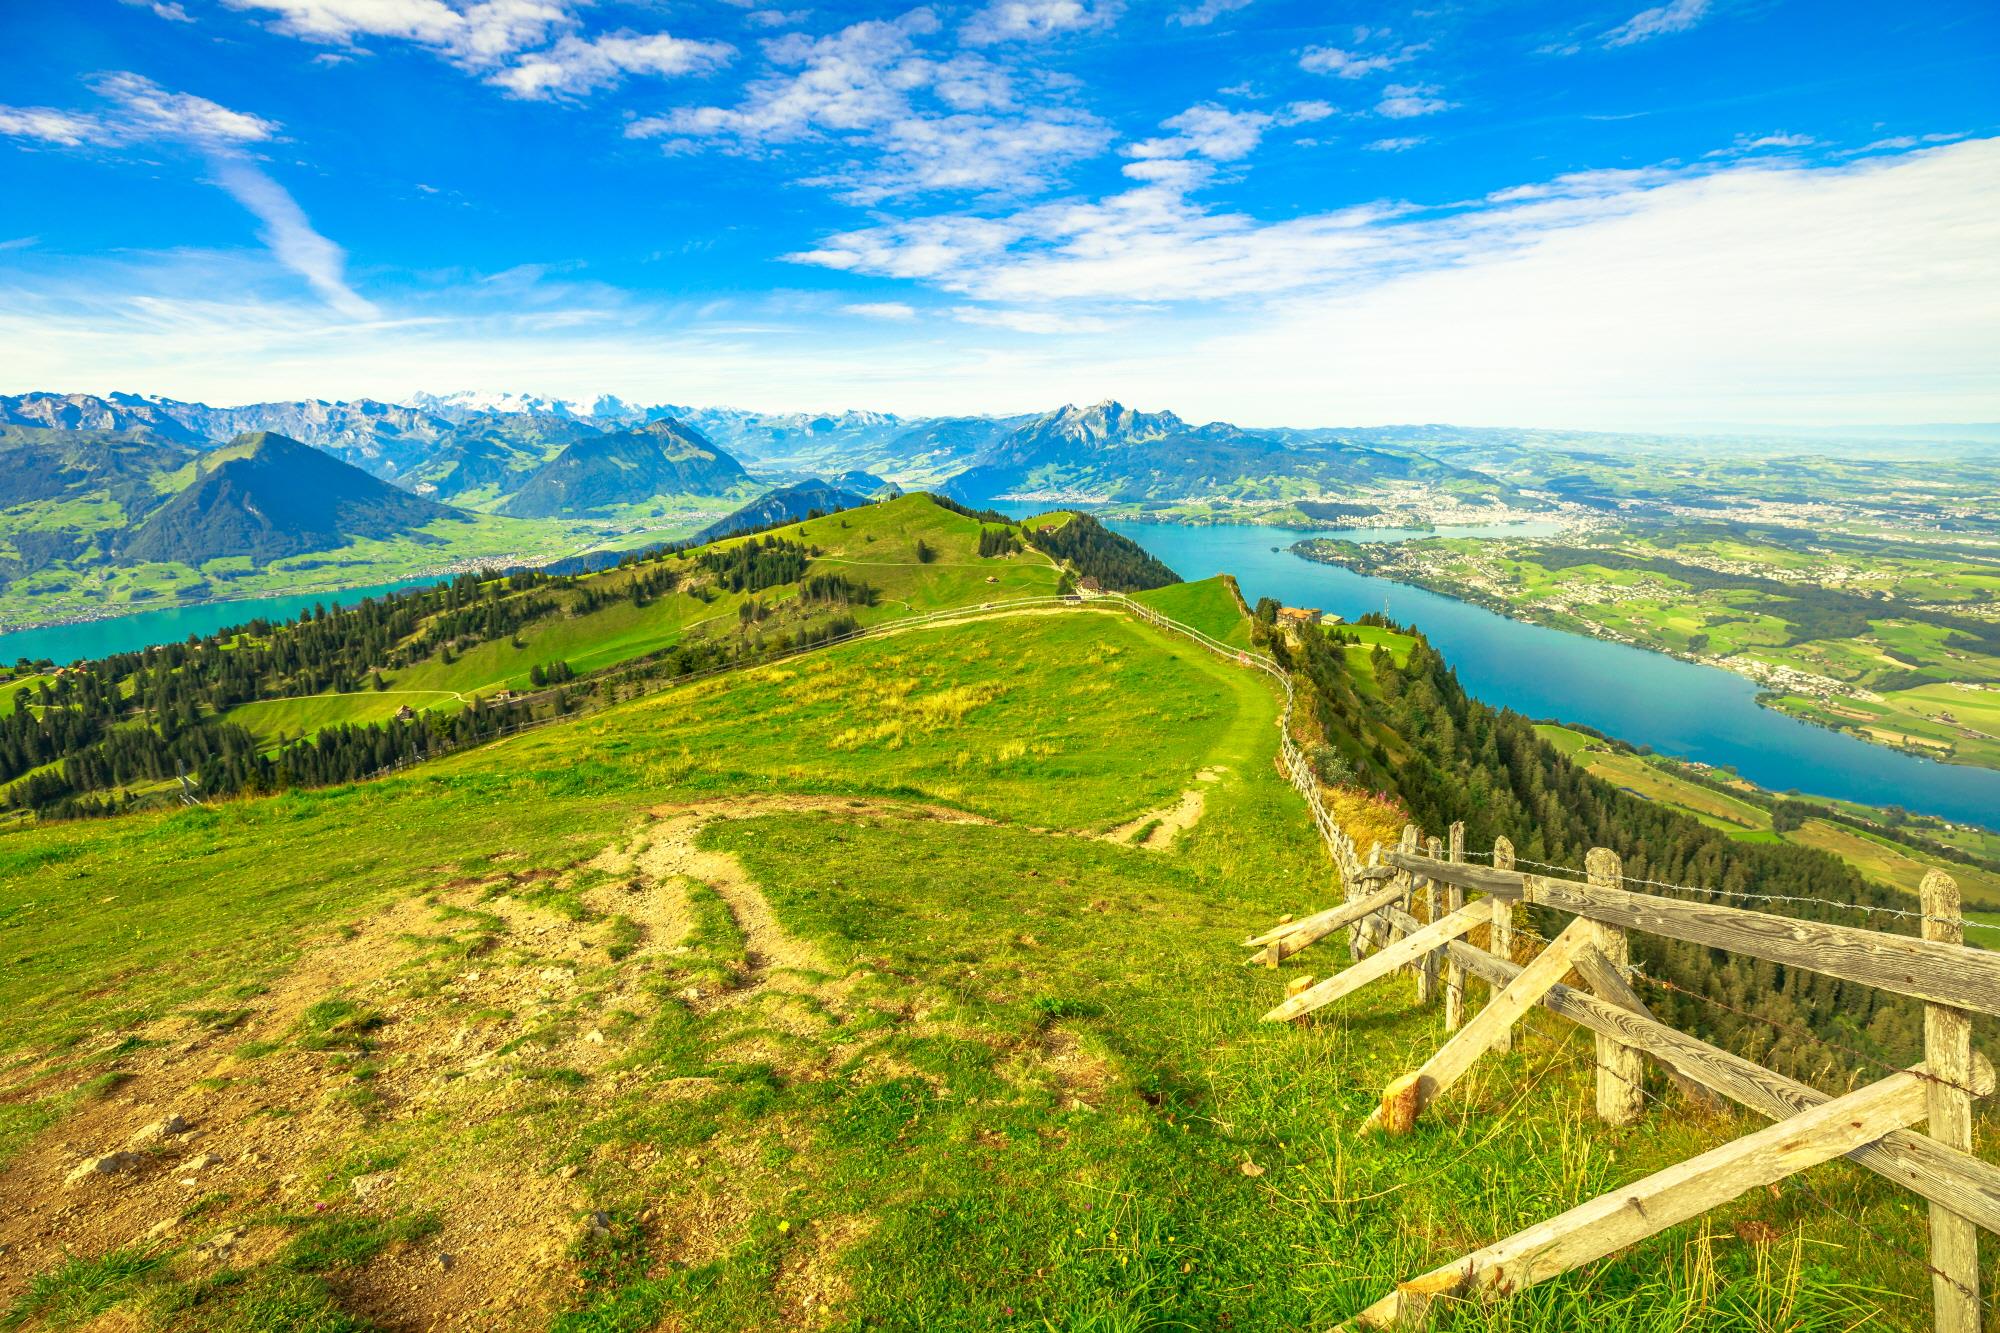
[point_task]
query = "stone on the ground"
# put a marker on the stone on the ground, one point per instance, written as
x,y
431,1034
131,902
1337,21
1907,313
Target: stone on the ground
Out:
x,y
109,1164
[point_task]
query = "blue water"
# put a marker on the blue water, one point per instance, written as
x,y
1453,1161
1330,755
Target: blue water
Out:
x,y
1644,698
124,634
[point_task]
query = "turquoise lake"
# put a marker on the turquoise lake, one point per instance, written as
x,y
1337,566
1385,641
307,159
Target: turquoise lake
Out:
x,y
1645,698
142,629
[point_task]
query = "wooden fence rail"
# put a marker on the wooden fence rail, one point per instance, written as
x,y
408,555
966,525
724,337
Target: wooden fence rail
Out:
x,y
1408,910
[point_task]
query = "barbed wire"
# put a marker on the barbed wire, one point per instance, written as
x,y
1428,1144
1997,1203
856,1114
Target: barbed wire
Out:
x,y
1741,896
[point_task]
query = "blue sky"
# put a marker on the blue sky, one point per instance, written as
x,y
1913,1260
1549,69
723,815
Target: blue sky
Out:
x,y
1609,215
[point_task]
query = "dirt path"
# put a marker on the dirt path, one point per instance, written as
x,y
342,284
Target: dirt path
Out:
x,y
1156,829
463,995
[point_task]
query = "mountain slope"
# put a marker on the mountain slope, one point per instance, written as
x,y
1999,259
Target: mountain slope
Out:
x,y
267,496
788,504
1112,452
659,458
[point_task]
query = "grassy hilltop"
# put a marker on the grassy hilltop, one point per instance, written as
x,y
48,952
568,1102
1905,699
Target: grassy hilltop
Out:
x,y
894,985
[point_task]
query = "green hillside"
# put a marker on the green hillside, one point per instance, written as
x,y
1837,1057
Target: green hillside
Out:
x,y
893,985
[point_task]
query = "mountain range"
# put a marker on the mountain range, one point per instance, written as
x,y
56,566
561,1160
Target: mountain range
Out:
x,y
164,488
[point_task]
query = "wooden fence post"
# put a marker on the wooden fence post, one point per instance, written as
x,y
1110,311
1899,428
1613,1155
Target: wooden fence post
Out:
x,y
1454,975
1948,1057
1412,835
1427,966
1360,934
1502,944
1620,1093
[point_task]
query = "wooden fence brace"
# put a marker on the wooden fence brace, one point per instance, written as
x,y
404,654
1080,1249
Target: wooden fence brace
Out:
x,y
1958,1180
1621,1097
1646,1207
1502,943
1411,947
1948,1056
1405,1099
1300,935
1454,975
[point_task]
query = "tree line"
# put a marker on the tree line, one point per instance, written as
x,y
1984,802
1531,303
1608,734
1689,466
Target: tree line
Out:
x,y
1447,756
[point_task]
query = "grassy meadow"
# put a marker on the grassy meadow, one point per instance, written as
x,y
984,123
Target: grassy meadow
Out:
x,y
825,995
877,545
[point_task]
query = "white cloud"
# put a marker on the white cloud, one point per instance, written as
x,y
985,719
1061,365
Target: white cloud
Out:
x,y
1351,64
924,123
1207,12
1401,101
140,111
776,18
1760,291
147,111
1661,21
290,235
1209,131
1399,144
46,124
143,112
1013,20
899,311
530,48
1041,323
165,9
577,65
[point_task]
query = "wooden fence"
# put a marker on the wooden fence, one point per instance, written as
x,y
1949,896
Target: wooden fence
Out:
x,y
1415,908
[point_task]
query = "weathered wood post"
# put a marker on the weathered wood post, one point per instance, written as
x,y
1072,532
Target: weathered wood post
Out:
x,y
1620,1095
1948,1059
1361,935
1407,844
1502,945
1427,966
1454,971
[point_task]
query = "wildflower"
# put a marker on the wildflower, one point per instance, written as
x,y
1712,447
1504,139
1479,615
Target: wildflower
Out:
x,y
784,1227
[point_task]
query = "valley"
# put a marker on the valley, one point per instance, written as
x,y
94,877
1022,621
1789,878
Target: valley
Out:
x,y
1892,638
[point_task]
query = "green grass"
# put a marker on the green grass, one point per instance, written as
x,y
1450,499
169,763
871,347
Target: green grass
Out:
x,y
1002,1076
874,545
1212,606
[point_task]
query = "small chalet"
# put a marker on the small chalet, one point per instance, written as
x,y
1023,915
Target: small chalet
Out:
x,y
1299,615
406,714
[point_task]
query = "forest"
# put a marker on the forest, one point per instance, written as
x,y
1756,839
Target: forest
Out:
x,y
1411,730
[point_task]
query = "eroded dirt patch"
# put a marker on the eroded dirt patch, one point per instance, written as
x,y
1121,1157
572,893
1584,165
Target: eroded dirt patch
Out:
x,y
1157,829
438,1065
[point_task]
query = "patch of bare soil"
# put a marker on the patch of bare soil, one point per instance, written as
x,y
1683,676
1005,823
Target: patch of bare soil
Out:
x,y
1157,829
403,1066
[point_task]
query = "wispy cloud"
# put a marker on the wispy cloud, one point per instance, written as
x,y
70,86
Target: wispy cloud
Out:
x,y
900,312
165,9
925,122
1207,12
1404,101
577,65
1354,64
1016,20
140,111
527,48
1401,144
1042,323
1660,21
1766,289
290,235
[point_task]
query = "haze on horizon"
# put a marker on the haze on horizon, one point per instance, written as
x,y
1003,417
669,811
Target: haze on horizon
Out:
x,y
1692,216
